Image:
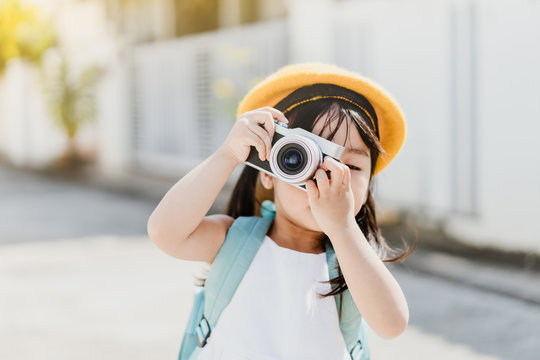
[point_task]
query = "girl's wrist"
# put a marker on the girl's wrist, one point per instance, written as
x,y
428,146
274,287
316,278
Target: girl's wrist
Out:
x,y
347,230
225,156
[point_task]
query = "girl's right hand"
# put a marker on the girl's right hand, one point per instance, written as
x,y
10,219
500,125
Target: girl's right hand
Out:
x,y
247,132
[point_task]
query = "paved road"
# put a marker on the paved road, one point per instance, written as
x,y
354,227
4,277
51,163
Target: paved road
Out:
x,y
35,207
102,290
497,326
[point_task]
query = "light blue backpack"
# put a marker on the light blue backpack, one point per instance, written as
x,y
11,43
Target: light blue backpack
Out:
x,y
232,261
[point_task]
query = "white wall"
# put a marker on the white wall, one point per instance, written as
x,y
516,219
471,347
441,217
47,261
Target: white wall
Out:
x,y
507,74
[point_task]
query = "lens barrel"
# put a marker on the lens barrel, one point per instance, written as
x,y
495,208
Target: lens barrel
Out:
x,y
295,158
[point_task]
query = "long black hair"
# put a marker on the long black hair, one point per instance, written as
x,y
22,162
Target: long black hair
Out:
x,y
248,193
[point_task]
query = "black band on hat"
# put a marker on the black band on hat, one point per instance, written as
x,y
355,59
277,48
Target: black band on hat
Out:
x,y
329,91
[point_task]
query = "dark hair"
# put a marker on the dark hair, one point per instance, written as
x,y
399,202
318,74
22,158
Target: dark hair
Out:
x,y
248,194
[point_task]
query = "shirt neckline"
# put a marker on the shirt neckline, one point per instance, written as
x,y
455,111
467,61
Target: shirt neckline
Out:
x,y
295,251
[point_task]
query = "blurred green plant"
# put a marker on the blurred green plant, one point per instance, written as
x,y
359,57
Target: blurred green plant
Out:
x,y
27,34
71,100
24,33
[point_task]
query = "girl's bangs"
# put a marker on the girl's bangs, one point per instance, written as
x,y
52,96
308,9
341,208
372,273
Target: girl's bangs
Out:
x,y
308,115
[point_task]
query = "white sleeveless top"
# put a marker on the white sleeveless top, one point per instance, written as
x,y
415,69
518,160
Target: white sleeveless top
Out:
x,y
275,313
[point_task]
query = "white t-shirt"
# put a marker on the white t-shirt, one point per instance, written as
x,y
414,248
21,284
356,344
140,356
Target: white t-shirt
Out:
x,y
275,313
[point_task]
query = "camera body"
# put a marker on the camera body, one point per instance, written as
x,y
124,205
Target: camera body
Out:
x,y
295,155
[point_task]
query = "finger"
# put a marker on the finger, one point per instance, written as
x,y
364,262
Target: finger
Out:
x,y
254,140
278,115
261,133
265,119
313,192
346,176
322,181
335,168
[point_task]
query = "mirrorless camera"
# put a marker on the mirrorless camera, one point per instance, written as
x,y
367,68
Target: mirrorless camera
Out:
x,y
295,155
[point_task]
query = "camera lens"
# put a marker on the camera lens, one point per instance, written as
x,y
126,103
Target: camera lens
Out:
x,y
291,159
294,158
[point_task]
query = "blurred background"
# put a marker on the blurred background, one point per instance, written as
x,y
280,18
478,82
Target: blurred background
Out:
x,y
104,105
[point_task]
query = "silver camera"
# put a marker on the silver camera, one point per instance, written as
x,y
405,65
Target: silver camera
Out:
x,y
295,155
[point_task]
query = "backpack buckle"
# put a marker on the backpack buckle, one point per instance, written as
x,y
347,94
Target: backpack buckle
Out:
x,y
202,332
356,350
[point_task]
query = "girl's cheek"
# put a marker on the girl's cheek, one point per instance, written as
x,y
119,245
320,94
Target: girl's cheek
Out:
x,y
290,196
296,195
359,186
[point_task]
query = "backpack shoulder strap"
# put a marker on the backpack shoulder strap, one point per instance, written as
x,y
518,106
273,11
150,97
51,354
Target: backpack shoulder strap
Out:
x,y
351,324
238,249
242,242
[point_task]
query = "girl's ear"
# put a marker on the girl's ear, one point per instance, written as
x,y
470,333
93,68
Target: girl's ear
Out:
x,y
263,191
266,180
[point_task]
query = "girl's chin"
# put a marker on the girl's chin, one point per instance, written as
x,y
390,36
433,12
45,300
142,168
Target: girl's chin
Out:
x,y
305,220
312,223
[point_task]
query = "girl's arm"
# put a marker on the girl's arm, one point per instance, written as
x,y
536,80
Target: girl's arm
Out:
x,y
375,292
178,224
173,222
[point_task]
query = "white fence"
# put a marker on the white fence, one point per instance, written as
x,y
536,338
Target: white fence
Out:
x,y
186,91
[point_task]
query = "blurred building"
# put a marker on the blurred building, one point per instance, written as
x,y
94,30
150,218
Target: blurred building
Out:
x,y
465,72
154,20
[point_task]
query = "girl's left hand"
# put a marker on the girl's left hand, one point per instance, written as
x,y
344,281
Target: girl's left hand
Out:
x,y
332,200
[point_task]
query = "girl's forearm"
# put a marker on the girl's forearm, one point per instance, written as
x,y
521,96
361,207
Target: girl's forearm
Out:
x,y
375,292
183,207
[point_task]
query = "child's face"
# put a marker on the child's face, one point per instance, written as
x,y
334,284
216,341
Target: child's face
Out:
x,y
292,202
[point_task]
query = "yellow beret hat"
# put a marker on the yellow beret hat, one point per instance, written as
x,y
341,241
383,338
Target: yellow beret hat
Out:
x,y
276,86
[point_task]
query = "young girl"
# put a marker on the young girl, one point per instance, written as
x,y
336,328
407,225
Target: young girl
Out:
x,y
284,306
